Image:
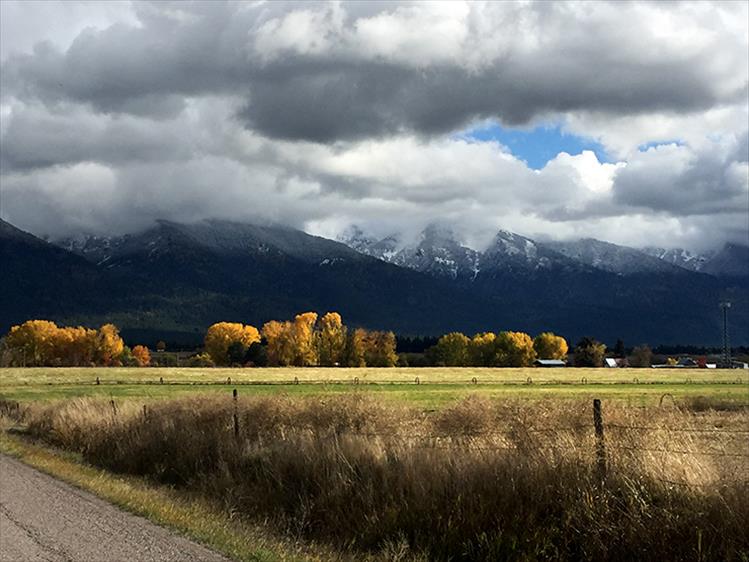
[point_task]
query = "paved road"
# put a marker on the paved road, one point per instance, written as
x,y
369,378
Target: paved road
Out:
x,y
43,519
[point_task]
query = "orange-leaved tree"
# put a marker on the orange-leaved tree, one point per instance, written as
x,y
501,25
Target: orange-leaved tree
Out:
x,y
142,355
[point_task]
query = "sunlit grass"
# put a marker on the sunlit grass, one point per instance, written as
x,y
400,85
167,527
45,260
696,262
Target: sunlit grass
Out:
x,y
478,479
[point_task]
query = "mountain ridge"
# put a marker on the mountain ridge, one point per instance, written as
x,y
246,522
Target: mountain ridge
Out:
x,y
177,276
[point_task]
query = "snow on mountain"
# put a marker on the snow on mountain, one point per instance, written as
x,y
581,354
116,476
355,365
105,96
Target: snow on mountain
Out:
x,y
436,251
611,257
679,257
97,249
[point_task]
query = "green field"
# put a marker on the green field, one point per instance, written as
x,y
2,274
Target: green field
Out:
x,y
430,387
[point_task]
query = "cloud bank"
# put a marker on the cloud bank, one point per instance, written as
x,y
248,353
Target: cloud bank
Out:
x,y
323,115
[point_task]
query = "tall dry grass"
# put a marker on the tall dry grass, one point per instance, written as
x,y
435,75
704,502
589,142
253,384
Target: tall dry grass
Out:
x,y
481,480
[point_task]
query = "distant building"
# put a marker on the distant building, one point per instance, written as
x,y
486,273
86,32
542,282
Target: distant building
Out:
x,y
687,362
610,362
549,363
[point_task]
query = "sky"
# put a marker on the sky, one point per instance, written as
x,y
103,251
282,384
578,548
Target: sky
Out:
x,y
626,122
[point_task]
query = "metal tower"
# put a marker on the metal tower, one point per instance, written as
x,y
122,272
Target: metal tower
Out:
x,y
725,305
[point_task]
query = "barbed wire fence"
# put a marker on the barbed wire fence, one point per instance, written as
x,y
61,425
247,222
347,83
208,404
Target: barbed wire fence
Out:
x,y
603,448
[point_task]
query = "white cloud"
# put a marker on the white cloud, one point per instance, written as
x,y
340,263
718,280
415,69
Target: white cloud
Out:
x,y
321,115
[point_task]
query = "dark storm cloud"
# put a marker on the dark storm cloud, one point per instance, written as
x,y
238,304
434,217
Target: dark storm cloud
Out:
x,y
679,181
36,138
327,82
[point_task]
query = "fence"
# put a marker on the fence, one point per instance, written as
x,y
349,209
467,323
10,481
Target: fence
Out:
x,y
609,440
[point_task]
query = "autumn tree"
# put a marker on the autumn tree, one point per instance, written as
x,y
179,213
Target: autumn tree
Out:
x,y
109,345
451,350
43,343
331,339
222,335
514,349
280,342
33,342
79,345
589,353
550,346
355,349
481,350
126,358
304,339
379,349
142,355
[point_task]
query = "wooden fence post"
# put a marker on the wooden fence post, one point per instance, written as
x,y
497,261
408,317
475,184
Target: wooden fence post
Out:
x,y
236,416
600,446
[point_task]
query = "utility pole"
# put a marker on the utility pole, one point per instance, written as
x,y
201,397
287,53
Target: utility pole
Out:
x,y
725,305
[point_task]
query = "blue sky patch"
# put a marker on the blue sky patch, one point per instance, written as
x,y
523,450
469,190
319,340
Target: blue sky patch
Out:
x,y
537,146
653,144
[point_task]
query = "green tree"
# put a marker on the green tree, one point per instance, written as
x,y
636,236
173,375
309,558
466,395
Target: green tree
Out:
x,y
235,353
256,355
642,356
589,353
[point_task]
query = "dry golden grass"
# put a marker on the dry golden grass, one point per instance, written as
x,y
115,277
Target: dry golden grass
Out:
x,y
480,480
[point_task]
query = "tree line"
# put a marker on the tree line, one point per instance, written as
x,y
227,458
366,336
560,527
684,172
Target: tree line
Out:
x,y
41,343
307,340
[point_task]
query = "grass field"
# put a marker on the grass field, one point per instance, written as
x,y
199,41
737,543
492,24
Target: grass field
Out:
x,y
364,478
436,386
403,464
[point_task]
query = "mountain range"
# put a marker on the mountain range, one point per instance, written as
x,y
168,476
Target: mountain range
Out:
x,y
176,279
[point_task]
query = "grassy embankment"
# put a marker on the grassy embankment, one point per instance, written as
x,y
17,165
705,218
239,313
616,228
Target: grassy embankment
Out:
x,y
480,479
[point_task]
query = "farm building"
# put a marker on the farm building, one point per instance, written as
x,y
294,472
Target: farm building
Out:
x,y
549,363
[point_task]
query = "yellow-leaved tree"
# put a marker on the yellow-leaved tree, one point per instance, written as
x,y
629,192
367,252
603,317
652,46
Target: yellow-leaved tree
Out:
x,y
34,342
451,350
481,349
550,346
303,336
109,345
280,348
354,351
222,336
379,349
331,340
514,349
